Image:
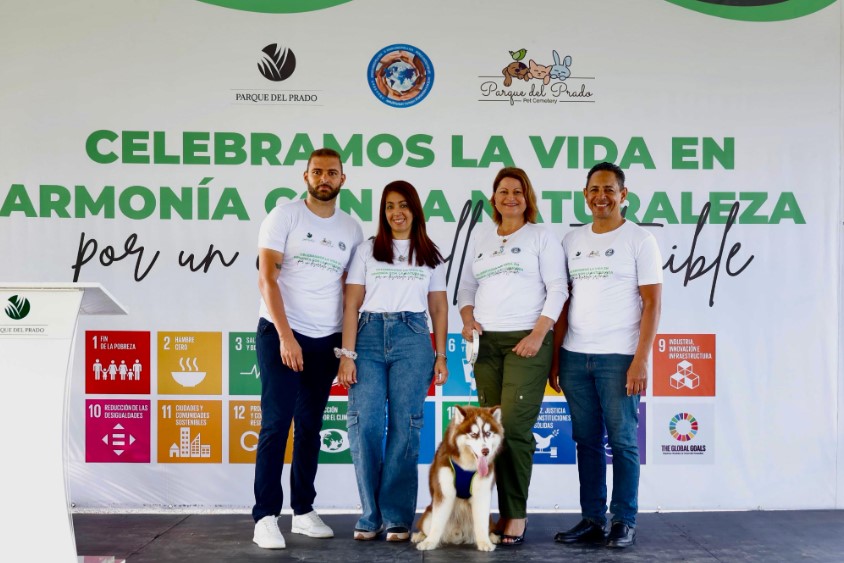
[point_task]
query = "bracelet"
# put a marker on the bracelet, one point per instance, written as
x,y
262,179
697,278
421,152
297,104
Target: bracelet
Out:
x,y
351,354
441,355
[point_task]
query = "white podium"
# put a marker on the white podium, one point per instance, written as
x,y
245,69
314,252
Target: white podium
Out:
x,y
37,331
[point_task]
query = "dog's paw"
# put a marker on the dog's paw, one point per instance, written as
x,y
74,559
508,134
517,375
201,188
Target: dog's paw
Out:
x,y
494,538
486,546
418,537
426,545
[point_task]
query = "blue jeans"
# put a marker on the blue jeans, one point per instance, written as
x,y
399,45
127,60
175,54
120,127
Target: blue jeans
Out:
x,y
395,365
594,385
288,396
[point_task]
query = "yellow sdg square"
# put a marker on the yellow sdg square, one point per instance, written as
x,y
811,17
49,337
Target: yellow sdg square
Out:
x,y
190,431
190,363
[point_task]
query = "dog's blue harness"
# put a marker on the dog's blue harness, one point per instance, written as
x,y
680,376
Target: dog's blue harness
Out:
x,y
462,480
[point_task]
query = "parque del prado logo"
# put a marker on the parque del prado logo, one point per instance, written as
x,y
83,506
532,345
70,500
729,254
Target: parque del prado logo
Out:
x,y
17,307
276,63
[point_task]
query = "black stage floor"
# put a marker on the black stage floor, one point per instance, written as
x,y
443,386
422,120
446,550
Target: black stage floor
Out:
x,y
813,535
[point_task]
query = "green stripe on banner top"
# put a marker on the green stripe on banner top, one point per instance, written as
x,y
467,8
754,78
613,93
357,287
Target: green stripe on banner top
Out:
x,y
755,10
277,6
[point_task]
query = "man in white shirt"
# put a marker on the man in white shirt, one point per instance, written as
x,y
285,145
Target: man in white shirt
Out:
x,y
607,331
304,249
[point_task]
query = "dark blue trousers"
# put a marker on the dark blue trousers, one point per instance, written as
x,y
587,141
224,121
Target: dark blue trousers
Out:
x,y
288,396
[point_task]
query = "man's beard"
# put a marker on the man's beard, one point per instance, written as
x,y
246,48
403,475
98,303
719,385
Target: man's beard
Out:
x,y
323,196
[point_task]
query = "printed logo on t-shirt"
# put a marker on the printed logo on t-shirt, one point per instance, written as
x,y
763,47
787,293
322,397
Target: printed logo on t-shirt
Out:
x,y
327,242
506,269
515,250
609,252
597,273
594,254
342,245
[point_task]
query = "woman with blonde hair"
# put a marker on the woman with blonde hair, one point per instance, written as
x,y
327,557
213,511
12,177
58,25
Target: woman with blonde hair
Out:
x,y
511,294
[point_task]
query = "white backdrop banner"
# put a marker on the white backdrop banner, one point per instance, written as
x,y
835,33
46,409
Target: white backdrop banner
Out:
x,y
144,141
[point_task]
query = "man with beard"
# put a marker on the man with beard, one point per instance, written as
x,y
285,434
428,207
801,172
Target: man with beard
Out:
x,y
304,249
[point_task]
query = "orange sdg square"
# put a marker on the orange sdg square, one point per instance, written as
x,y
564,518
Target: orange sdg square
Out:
x,y
190,431
684,365
244,428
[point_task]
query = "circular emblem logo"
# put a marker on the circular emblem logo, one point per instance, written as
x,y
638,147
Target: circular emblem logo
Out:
x,y
334,440
400,75
515,250
683,427
342,245
17,308
609,252
277,63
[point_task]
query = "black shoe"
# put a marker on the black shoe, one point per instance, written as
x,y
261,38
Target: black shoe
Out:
x,y
513,540
586,531
621,535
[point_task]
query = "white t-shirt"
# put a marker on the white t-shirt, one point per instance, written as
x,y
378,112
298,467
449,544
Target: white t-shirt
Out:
x,y
395,287
316,253
513,280
605,271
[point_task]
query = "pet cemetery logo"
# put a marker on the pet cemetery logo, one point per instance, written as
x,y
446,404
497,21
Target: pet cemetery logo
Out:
x,y
525,80
400,75
276,63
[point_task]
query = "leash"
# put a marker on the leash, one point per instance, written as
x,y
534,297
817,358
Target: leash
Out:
x,y
471,357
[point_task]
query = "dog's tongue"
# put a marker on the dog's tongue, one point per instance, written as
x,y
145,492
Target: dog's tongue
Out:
x,y
483,468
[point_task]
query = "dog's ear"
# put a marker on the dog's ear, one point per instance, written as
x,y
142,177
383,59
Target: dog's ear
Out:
x,y
458,415
496,413
506,72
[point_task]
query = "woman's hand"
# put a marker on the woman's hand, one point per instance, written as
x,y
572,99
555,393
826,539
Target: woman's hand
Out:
x,y
467,329
440,371
347,375
529,346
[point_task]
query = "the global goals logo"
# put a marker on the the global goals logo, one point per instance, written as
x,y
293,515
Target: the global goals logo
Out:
x,y
17,307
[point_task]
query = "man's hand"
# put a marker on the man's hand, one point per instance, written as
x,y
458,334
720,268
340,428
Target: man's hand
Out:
x,y
291,353
554,378
637,377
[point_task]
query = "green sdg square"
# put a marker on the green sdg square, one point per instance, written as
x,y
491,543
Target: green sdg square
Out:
x,y
244,375
448,407
334,438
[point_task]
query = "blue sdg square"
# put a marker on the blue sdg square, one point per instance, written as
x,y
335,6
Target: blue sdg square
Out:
x,y
461,378
552,432
640,435
426,438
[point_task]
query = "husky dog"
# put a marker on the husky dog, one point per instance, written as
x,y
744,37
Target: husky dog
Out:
x,y
461,480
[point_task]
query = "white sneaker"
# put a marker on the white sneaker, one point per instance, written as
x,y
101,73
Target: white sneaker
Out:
x,y
311,524
267,534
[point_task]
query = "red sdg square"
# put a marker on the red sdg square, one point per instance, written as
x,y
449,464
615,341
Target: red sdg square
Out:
x,y
117,362
117,431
